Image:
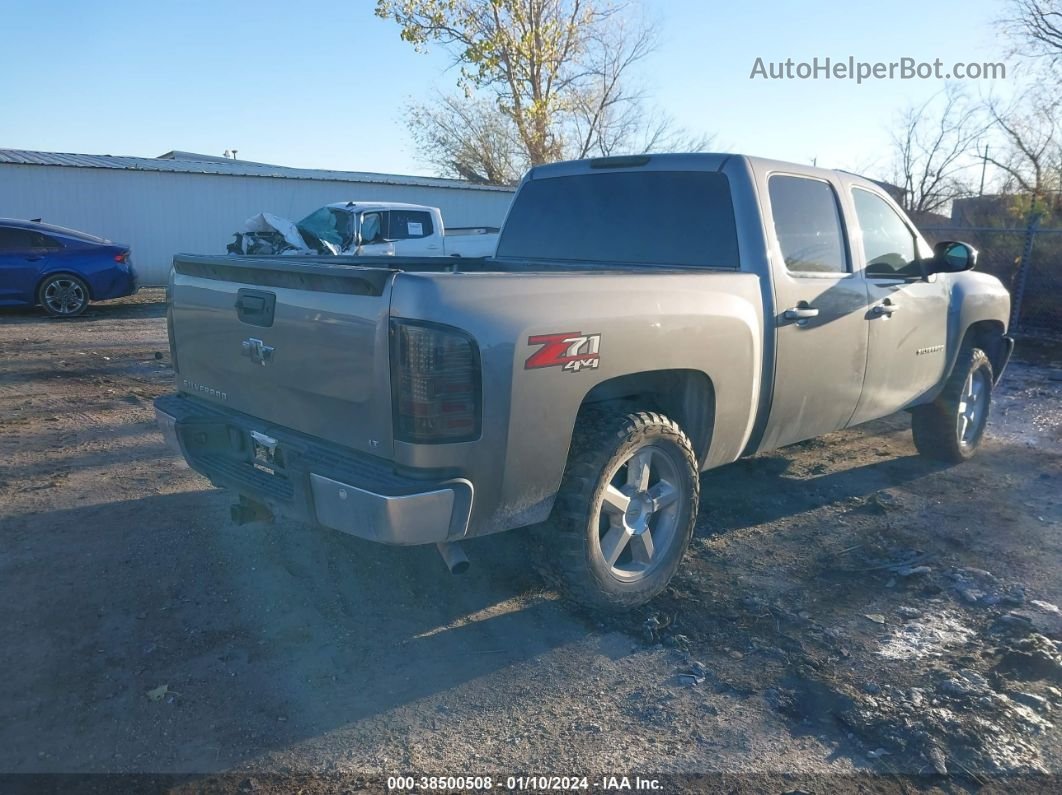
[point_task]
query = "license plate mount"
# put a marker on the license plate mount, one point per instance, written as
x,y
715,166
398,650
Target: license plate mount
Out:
x,y
264,452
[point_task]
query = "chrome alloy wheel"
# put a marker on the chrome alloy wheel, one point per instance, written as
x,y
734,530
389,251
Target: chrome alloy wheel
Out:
x,y
64,296
973,403
639,514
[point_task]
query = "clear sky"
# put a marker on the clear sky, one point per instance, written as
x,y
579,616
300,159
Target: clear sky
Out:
x,y
323,84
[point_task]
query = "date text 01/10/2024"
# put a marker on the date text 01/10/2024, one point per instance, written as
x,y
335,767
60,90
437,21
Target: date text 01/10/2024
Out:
x,y
523,783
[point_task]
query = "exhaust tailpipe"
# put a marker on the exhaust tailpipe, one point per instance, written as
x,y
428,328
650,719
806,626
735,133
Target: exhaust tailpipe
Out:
x,y
453,556
246,511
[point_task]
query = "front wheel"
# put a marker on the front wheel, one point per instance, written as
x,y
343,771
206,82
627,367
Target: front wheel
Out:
x,y
952,426
63,295
626,508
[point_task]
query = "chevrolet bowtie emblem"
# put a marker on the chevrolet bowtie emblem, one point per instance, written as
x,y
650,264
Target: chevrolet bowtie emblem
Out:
x,y
257,351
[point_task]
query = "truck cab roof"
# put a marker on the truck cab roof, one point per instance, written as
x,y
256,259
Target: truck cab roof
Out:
x,y
691,161
362,206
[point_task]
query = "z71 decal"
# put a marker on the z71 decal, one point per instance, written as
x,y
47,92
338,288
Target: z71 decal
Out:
x,y
569,350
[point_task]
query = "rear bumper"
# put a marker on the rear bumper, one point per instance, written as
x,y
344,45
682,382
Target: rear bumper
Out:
x,y
116,282
311,481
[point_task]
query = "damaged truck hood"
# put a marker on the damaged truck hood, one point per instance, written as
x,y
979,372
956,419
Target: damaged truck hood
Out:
x,y
266,233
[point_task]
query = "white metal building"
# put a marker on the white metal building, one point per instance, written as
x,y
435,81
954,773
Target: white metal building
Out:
x,y
185,202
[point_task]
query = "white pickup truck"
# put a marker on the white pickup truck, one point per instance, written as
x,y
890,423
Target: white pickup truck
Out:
x,y
365,229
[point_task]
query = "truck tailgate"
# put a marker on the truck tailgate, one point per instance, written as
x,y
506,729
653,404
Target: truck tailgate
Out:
x,y
300,342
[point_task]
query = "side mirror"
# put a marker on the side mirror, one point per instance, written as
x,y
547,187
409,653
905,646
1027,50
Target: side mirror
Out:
x,y
951,256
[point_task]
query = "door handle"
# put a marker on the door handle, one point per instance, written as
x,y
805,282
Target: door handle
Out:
x,y
884,309
34,258
800,313
255,307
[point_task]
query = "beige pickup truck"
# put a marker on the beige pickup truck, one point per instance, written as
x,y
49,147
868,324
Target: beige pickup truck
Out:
x,y
644,319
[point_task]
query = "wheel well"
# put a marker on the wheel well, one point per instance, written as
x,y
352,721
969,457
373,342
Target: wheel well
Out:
x,y
47,276
988,336
686,396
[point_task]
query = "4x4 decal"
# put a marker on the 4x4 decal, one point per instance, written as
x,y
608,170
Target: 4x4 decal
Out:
x,y
569,350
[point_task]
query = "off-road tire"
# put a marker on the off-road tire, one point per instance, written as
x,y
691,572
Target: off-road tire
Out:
x,y
935,426
602,443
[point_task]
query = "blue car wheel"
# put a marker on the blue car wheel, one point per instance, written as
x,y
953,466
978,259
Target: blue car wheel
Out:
x,y
63,295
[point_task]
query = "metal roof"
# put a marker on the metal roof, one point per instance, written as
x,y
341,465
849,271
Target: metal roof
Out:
x,y
235,168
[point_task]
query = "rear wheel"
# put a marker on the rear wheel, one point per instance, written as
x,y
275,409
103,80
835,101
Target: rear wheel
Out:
x,y
63,295
952,426
626,509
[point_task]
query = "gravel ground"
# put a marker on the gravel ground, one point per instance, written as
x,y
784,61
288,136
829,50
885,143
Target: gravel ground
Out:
x,y
846,609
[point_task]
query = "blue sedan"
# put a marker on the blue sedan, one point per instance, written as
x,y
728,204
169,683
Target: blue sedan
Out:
x,y
60,269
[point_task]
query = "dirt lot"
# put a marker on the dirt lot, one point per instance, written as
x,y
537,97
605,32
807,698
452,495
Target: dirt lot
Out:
x,y
845,608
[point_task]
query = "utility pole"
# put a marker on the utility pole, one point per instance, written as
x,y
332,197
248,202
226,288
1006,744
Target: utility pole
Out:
x,y
1058,193
984,165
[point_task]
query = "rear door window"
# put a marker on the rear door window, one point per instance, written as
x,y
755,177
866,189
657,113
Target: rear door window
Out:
x,y
40,240
807,223
410,224
681,218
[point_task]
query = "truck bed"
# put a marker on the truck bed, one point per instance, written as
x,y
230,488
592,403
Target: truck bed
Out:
x,y
319,359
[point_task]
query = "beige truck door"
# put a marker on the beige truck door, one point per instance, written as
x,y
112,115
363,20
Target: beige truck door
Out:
x,y
907,315
820,306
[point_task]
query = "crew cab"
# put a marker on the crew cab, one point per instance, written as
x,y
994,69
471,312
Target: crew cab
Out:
x,y
644,319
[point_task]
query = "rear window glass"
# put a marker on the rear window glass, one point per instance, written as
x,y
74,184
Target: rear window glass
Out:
x,y
639,217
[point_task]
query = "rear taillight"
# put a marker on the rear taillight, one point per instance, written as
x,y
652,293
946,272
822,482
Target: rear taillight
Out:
x,y
122,257
435,383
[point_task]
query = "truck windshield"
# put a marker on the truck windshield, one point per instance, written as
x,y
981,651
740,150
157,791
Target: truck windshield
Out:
x,y
659,218
331,225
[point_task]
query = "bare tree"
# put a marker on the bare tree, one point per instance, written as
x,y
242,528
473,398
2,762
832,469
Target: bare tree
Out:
x,y
1036,27
1030,132
932,147
607,111
557,73
1028,129
611,112
468,139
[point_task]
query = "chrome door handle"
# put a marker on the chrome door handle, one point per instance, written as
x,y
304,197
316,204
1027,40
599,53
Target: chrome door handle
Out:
x,y
800,313
884,309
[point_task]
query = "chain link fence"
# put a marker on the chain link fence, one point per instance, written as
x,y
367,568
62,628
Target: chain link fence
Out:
x,y
1027,259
